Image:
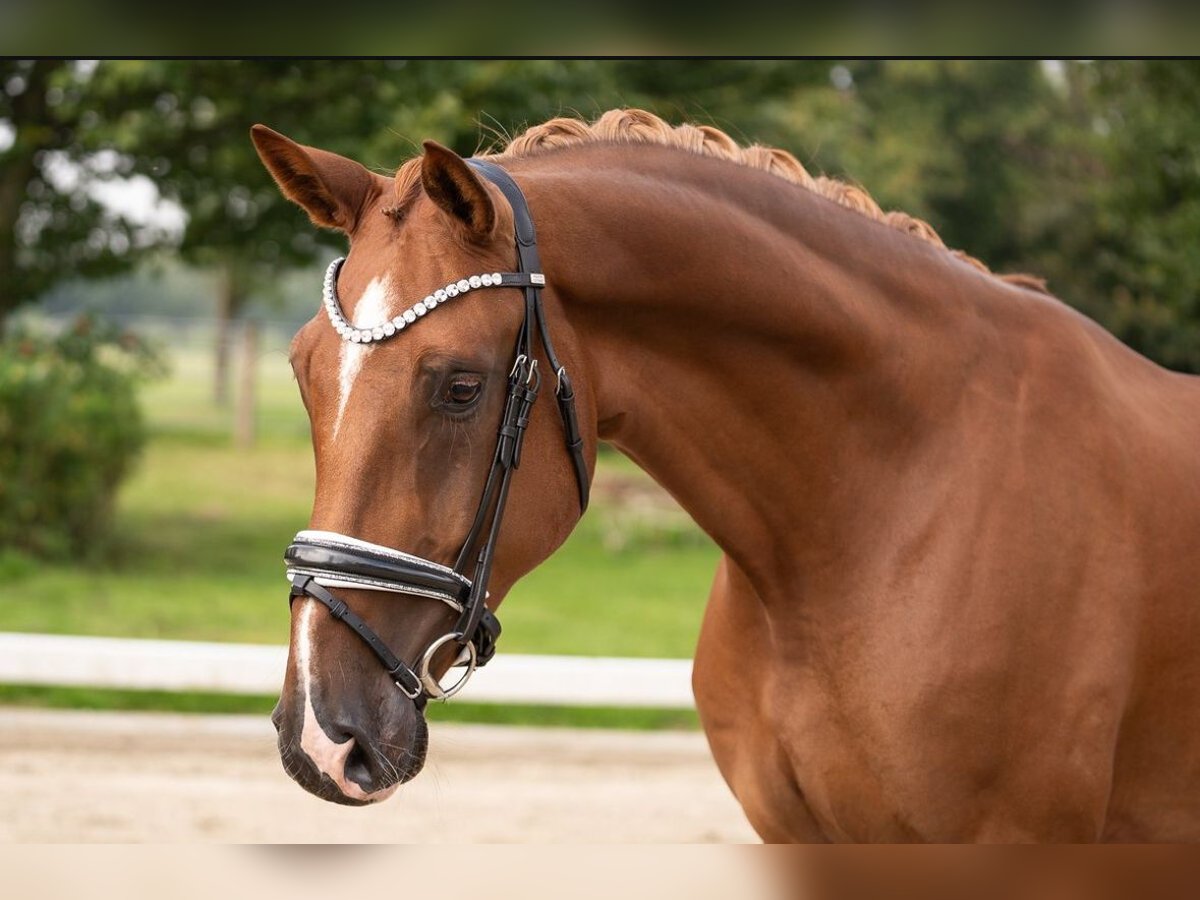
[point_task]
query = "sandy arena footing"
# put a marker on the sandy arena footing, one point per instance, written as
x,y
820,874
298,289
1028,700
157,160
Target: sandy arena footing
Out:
x,y
92,776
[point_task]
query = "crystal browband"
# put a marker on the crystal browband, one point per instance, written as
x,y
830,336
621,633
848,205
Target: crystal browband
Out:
x,y
398,323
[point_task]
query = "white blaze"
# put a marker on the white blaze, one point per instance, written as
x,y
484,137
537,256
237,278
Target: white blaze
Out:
x,y
373,308
328,756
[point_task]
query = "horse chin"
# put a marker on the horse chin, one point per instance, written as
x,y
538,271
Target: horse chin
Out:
x,y
358,797
326,789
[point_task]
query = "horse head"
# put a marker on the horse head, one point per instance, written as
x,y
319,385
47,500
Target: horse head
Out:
x,y
421,413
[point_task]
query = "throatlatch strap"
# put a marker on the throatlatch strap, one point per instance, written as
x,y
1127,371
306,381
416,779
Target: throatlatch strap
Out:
x,y
565,395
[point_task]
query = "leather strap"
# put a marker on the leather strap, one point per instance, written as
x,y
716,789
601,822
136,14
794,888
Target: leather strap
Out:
x,y
354,561
524,382
530,262
406,678
522,391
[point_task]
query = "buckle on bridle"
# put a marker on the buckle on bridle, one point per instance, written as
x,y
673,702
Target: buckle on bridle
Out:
x,y
518,365
413,694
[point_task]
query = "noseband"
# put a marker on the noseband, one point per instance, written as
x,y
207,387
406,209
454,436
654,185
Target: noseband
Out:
x,y
319,560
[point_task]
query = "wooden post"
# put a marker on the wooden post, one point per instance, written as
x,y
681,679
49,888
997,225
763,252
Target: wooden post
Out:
x,y
226,304
244,422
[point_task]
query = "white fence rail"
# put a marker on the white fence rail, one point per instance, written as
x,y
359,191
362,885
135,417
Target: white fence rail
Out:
x,y
258,669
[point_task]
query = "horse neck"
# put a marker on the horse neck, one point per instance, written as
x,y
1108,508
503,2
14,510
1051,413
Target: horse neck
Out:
x,y
754,347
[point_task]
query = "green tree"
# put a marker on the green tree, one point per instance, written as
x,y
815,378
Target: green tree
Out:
x,y
51,226
1082,172
185,125
966,145
1146,267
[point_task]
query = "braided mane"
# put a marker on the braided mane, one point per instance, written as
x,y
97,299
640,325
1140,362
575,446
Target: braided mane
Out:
x,y
637,126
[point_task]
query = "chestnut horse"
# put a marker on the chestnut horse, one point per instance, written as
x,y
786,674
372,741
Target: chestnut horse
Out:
x,y
960,590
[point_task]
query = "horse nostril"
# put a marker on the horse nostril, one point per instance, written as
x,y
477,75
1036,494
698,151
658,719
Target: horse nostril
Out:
x,y
361,768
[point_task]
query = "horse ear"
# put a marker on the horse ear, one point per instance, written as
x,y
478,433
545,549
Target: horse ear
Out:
x,y
333,190
458,190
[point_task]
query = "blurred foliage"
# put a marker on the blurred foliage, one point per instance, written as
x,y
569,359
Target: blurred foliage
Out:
x,y
624,28
1084,172
1145,266
70,427
969,146
49,223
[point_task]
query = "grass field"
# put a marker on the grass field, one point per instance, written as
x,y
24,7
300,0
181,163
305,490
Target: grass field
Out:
x,y
200,528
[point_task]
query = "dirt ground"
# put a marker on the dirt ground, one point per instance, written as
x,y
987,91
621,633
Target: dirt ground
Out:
x,y
82,777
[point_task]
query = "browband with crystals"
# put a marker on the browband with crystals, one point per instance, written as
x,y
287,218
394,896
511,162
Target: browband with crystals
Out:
x,y
356,335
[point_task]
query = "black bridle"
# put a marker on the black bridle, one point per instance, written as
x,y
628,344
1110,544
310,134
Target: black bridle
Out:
x,y
319,560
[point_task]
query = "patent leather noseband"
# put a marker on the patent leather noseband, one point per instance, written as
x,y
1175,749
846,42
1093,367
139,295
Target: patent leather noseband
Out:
x,y
320,560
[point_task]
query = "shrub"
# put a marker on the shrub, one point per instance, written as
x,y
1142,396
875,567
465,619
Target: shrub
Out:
x,y
70,429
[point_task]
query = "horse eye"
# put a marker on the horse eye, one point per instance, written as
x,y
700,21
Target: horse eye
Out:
x,y
462,391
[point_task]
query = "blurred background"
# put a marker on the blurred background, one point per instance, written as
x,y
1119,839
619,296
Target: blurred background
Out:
x,y
154,454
